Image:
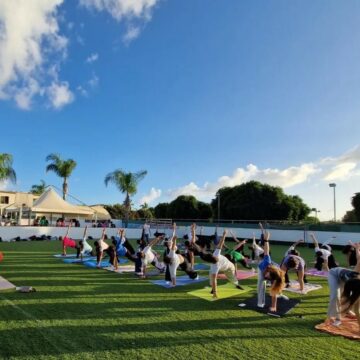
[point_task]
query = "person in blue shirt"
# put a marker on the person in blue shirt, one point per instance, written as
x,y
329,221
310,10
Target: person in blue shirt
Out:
x,y
272,272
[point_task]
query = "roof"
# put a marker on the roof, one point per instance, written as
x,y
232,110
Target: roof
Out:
x,y
51,202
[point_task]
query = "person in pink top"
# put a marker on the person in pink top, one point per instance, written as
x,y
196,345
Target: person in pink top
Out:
x,y
69,243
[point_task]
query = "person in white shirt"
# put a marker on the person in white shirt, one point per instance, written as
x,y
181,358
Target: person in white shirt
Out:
x,y
324,258
223,265
148,256
175,260
85,248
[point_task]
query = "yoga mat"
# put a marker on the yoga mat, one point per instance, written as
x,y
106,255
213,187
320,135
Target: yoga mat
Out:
x,y
121,269
224,291
180,281
78,261
314,272
6,285
295,287
283,306
240,275
61,256
201,267
348,328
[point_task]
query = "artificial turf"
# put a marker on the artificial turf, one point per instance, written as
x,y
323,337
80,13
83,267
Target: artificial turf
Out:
x,y
82,313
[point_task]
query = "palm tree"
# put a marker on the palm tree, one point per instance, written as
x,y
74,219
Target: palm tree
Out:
x,y
6,170
62,168
127,183
38,189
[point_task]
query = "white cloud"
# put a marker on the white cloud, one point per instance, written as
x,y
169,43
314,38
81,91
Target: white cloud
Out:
x,y
92,58
340,171
284,178
59,94
150,197
131,34
29,39
94,81
309,180
129,10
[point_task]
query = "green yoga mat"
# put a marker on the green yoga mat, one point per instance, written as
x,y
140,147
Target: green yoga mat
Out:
x,y
223,292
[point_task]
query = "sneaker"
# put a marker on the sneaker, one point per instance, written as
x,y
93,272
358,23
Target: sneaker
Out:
x,y
167,282
261,306
239,287
287,285
282,296
336,323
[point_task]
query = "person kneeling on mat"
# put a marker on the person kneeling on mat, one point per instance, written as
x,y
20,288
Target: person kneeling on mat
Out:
x,y
344,286
222,264
235,255
120,249
269,271
70,243
147,256
175,260
102,247
324,258
85,248
297,263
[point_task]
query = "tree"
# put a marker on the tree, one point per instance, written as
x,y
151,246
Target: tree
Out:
x,y
161,211
145,212
7,173
127,183
354,214
256,201
38,189
62,168
355,202
116,211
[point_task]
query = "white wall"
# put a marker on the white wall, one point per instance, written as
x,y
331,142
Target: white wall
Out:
x,y
338,238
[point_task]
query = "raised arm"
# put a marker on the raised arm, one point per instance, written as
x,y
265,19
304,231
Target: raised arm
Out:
x,y
155,241
240,244
316,244
266,243
68,230
221,243
193,233
85,232
173,243
262,228
234,237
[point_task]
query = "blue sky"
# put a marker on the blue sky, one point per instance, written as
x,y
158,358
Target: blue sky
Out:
x,y
202,94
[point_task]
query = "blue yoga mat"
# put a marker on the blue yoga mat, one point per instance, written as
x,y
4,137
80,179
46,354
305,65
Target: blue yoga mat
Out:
x,y
78,261
61,256
201,267
104,263
180,281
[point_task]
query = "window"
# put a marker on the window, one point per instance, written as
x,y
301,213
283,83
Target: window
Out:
x,y
4,200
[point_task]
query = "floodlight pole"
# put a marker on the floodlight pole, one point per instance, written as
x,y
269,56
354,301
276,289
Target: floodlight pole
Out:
x,y
333,185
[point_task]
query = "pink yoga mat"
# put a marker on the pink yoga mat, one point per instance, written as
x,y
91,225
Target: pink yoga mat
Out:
x,y
314,272
240,274
349,328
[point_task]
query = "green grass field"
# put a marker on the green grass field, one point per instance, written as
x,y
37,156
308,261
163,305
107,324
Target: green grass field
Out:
x,y
80,313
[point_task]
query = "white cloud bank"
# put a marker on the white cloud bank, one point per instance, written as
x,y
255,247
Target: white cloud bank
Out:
x,y
133,12
29,39
32,47
309,180
149,198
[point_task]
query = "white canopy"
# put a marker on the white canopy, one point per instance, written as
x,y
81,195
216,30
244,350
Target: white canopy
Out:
x,y
50,202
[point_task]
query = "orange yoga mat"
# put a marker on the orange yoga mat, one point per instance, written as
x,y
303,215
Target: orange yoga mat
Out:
x,y
348,328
